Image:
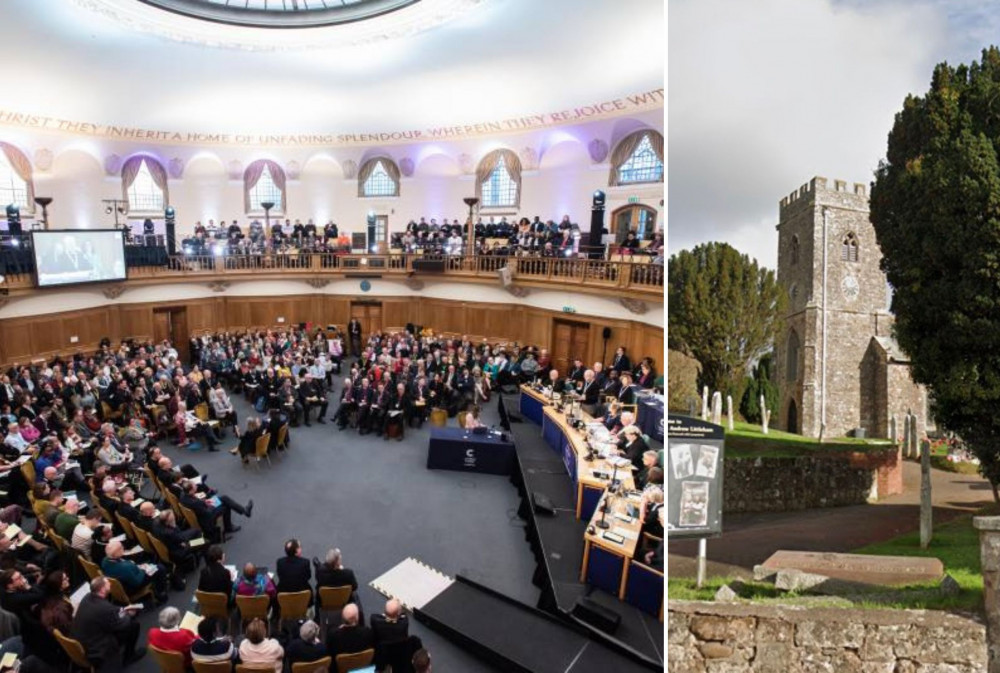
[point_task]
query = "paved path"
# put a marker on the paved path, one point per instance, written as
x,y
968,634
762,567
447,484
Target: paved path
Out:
x,y
749,539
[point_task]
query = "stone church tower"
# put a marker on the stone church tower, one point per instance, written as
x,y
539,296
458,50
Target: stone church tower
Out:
x,y
836,363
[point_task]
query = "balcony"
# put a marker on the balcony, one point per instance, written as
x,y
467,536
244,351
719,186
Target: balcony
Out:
x,y
619,277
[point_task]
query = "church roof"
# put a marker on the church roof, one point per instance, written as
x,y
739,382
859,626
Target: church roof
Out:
x,y
893,352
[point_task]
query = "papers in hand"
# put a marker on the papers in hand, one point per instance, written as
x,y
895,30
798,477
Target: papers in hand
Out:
x,y
191,621
136,550
148,568
78,595
232,572
13,530
197,542
9,660
196,480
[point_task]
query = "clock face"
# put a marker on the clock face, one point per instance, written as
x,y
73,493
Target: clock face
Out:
x,y
850,287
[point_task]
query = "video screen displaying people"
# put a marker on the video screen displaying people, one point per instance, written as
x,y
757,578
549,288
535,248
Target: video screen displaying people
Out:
x,y
78,256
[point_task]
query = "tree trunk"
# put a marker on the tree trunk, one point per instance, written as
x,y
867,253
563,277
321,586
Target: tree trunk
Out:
x,y
996,495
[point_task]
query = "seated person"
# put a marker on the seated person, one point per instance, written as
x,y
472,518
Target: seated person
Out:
x,y
177,541
312,394
294,572
248,440
215,577
351,636
211,645
307,647
209,506
635,445
132,577
649,459
472,420
189,425
254,583
223,408
332,573
259,650
67,520
82,539
112,457
388,629
170,637
397,412
108,633
17,595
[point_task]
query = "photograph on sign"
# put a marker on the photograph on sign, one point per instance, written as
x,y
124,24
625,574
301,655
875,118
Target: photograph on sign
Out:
x,y
694,503
707,460
680,458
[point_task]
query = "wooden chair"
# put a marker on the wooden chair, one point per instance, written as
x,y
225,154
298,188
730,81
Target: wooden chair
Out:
x,y
175,503
169,662
254,668
213,667
333,599
201,411
213,604
119,595
92,570
142,537
293,604
28,470
57,540
152,480
318,666
283,437
74,650
355,660
109,413
253,606
105,514
127,527
161,550
260,449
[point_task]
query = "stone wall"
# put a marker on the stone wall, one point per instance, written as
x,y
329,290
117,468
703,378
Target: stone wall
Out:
x,y
732,638
828,479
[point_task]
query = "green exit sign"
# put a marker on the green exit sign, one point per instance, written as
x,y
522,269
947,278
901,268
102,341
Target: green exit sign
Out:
x,y
569,309
633,199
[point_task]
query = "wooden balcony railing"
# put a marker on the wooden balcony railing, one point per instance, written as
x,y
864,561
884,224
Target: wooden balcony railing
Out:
x,y
636,277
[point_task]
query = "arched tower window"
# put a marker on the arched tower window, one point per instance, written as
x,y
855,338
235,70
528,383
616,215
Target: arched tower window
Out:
x,y
498,180
794,250
15,179
378,177
792,357
264,182
637,158
849,248
144,183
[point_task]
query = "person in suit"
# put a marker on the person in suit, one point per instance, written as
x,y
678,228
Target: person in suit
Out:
x,y
215,578
248,440
397,412
347,404
621,363
312,394
625,393
363,398
389,629
351,636
307,647
332,573
18,595
380,403
207,512
635,445
107,633
132,577
177,542
590,392
294,572
556,382
354,335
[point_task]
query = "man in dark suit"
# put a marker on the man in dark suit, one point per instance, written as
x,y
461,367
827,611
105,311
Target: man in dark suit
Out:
x,y
214,576
590,391
108,634
389,629
294,571
351,636
312,394
398,412
621,363
208,510
332,573
354,335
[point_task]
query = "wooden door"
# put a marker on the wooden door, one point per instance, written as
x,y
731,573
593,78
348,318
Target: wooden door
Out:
x,y
637,218
369,314
570,340
171,323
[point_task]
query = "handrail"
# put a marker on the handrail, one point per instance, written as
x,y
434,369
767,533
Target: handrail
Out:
x,y
592,273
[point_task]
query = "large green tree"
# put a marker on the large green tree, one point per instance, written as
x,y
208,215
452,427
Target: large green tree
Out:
x,y
723,310
935,205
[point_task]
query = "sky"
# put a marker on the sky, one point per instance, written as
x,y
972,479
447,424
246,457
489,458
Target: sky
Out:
x,y
765,94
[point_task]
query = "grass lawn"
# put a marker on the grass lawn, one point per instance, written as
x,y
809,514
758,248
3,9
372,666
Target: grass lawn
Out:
x,y
956,543
746,440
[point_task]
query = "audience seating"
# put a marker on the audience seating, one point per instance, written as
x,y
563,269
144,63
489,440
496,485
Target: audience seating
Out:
x,y
293,605
333,599
354,660
119,595
318,666
213,667
253,606
142,537
169,662
92,570
212,604
127,528
260,449
74,650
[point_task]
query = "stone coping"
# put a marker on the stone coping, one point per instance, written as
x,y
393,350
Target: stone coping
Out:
x,y
879,617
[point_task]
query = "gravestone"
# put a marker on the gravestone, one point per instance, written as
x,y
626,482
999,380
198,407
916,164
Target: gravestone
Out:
x,y
765,415
892,429
926,511
729,410
914,441
859,568
704,403
716,408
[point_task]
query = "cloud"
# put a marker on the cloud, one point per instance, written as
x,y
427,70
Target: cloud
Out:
x,y
764,95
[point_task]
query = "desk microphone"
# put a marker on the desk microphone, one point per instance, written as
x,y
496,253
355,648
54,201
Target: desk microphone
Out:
x,y
602,524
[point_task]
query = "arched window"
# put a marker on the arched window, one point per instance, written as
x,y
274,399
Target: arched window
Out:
x,y
498,180
144,185
16,185
378,177
792,357
637,158
795,250
264,182
849,248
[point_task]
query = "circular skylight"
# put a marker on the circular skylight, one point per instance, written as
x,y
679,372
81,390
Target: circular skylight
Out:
x,y
281,13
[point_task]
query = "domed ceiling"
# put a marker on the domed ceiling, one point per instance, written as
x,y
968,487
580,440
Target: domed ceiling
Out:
x,y
363,66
